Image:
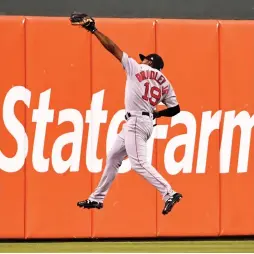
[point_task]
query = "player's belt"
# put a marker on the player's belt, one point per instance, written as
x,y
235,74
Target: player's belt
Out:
x,y
128,115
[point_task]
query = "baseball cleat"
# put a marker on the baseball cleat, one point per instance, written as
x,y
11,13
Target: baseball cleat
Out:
x,y
89,204
169,204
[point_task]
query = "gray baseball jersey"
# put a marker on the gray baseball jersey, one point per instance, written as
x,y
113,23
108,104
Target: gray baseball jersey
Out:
x,y
146,87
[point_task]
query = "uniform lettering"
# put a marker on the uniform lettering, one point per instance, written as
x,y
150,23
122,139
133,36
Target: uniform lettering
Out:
x,y
165,90
147,74
139,77
161,80
143,75
156,74
150,75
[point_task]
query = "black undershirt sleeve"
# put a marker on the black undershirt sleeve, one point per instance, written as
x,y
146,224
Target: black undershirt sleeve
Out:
x,y
169,112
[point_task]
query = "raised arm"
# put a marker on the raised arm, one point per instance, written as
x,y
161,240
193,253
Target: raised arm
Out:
x,y
82,19
109,45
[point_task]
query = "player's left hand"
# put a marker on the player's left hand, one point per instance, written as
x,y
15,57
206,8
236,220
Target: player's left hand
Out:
x,y
82,19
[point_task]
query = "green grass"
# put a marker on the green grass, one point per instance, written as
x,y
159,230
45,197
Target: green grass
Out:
x,y
156,246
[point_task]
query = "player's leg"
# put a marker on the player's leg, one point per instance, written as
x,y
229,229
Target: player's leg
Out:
x,y
114,161
135,142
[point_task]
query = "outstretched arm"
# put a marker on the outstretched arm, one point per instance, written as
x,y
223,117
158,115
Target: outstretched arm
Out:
x,y
109,45
82,19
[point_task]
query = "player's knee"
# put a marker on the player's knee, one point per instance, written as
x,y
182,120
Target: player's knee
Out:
x,y
139,163
113,161
111,156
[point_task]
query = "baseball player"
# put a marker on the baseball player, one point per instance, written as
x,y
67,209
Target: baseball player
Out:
x,y
145,88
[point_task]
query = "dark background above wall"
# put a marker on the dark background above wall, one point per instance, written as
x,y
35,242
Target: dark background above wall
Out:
x,y
190,9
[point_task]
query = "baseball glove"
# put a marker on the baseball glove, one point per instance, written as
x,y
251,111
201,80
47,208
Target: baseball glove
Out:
x,y
83,20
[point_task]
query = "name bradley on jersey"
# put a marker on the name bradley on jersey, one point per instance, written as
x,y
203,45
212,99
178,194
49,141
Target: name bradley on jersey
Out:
x,y
154,75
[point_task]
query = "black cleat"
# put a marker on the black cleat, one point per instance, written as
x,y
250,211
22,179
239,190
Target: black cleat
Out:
x,y
89,204
171,202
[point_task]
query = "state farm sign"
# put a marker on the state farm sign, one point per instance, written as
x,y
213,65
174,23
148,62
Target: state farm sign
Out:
x,y
97,115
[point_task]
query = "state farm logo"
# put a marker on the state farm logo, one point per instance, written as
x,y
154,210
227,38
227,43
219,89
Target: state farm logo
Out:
x,y
97,115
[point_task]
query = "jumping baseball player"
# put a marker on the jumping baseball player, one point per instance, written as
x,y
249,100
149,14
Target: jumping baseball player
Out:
x,y
146,87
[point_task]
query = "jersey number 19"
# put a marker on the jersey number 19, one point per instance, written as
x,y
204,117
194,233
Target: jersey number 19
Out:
x,y
155,93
